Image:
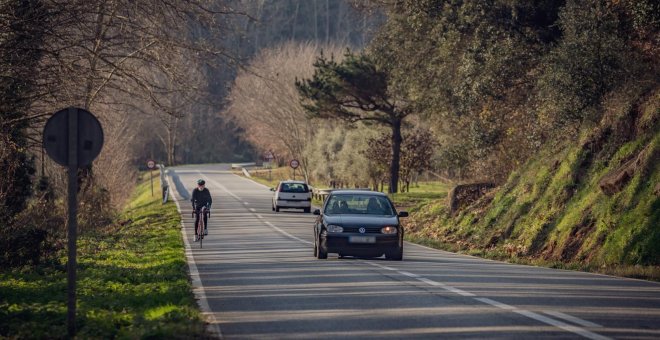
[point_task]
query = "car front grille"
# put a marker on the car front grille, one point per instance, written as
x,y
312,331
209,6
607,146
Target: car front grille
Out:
x,y
369,230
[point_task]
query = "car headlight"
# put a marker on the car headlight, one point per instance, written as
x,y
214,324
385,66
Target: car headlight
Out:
x,y
388,230
334,229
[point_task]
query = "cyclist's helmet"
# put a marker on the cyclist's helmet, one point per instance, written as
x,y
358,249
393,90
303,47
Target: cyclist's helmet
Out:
x,y
200,182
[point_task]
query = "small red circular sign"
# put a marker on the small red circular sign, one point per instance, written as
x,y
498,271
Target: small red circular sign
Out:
x,y
151,164
294,163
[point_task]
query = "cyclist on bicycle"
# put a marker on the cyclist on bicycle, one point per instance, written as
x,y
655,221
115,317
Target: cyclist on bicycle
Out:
x,y
201,197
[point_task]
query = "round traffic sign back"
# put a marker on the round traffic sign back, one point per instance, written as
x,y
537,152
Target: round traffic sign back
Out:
x,y
88,131
294,163
151,164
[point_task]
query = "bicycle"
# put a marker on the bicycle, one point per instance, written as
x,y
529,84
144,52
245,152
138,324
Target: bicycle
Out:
x,y
200,227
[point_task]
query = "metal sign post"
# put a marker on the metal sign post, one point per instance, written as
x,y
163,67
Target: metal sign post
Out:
x,y
73,219
294,164
151,164
73,138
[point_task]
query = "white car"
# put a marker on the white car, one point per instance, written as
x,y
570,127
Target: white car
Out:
x,y
292,195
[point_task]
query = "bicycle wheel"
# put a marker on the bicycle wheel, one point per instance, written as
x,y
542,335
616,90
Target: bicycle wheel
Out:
x,y
200,230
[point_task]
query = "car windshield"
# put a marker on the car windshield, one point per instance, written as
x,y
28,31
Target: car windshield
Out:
x,y
293,187
358,204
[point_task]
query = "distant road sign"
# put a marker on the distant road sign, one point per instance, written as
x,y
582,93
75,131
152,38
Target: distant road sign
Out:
x,y
294,163
151,164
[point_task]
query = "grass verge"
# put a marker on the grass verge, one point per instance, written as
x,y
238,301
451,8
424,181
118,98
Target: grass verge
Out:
x,y
132,282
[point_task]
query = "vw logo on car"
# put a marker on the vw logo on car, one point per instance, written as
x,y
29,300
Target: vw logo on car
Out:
x,y
362,230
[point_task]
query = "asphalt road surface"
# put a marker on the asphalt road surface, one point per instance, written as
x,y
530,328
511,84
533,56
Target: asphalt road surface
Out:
x,y
256,277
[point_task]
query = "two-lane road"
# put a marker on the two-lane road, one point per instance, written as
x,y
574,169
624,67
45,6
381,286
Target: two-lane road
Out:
x,y
257,278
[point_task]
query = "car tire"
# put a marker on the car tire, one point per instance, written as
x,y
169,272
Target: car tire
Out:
x,y
272,207
277,208
308,210
396,255
321,251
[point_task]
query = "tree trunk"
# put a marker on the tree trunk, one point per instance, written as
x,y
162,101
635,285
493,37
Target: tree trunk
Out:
x,y
327,21
171,140
396,153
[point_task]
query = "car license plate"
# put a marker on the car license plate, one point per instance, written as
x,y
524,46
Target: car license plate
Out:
x,y
362,239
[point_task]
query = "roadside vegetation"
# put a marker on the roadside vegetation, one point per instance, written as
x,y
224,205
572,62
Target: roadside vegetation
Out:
x,y
543,114
420,193
132,282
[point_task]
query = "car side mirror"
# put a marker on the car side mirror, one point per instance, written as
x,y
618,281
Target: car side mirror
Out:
x,y
317,212
272,189
403,214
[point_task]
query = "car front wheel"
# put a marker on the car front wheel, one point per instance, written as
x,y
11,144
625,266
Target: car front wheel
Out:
x,y
396,255
321,250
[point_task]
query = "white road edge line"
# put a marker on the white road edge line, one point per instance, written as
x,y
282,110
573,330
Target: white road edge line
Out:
x,y
572,319
198,288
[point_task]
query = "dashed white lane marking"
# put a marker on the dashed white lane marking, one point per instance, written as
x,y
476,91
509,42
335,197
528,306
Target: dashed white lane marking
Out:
x,y
535,316
198,288
570,328
381,266
572,319
431,282
495,303
458,291
414,276
529,314
246,203
253,210
287,234
259,216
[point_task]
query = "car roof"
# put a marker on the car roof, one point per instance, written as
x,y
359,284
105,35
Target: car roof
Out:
x,y
356,191
290,181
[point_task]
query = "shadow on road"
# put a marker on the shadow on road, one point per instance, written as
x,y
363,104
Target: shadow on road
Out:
x,y
180,188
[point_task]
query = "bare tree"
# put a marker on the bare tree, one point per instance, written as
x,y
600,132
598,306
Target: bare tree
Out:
x,y
265,102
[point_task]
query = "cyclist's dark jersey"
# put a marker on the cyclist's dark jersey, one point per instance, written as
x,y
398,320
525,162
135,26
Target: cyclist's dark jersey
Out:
x,y
201,198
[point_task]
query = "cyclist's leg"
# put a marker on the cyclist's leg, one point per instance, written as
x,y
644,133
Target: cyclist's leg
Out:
x,y
196,220
206,222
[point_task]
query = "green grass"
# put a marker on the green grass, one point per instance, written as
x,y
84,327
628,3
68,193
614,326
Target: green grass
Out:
x,y
132,283
420,194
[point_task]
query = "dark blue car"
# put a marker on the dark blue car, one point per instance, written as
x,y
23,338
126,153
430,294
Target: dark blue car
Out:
x,y
358,223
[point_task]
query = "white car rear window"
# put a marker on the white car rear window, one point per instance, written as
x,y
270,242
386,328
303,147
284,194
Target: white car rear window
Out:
x,y
294,187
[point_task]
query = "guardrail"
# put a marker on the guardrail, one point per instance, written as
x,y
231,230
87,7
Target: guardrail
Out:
x,y
242,165
321,194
